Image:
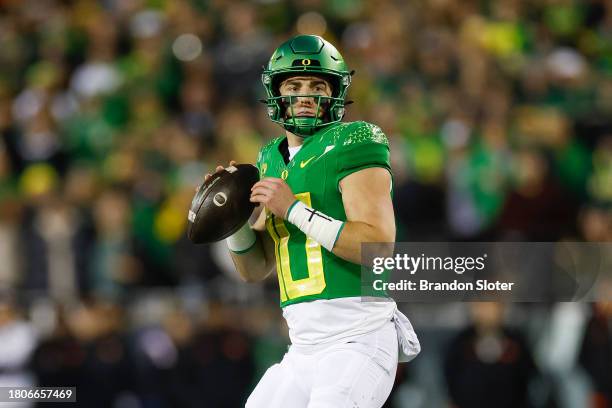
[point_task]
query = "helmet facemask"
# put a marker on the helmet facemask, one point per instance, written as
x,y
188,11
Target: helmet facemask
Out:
x,y
324,109
281,110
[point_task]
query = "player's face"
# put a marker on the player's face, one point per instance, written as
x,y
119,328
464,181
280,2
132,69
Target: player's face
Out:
x,y
305,85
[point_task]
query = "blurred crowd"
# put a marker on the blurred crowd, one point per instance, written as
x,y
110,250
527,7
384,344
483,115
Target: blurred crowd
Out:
x,y
499,116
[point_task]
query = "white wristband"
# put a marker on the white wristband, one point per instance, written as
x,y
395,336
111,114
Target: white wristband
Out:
x,y
318,226
242,240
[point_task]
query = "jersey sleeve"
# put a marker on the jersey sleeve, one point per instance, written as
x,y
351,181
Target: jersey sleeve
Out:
x,y
363,146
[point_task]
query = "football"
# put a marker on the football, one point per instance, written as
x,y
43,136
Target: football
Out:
x,y
221,205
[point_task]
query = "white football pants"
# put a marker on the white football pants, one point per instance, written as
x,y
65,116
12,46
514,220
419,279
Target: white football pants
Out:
x,y
358,373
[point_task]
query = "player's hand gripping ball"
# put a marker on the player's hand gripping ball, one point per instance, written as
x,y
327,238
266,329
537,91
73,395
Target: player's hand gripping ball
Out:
x,y
221,205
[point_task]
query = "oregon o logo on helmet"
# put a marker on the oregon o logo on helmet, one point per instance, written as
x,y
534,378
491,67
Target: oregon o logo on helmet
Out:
x,y
306,61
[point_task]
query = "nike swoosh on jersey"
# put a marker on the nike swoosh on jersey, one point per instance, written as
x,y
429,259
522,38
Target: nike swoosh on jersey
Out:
x,y
327,149
305,163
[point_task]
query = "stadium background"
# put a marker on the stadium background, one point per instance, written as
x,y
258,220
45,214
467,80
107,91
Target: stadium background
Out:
x,y
499,118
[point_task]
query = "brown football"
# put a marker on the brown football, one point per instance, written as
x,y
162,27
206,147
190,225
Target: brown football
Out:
x,y
221,206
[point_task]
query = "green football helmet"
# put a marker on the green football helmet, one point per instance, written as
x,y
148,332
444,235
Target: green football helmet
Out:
x,y
306,55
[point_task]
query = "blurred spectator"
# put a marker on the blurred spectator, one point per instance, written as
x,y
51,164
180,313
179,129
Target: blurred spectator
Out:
x,y
241,52
17,342
538,208
57,244
178,363
596,354
489,364
113,264
88,350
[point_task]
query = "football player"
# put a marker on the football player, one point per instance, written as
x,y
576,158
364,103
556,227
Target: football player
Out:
x,y
325,188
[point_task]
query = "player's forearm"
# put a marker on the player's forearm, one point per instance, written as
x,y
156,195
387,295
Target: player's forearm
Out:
x,y
252,265
354,233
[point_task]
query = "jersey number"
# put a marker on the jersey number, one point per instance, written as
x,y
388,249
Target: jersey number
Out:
x,y
291,288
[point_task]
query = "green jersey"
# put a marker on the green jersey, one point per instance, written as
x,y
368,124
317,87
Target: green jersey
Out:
x,y
307,271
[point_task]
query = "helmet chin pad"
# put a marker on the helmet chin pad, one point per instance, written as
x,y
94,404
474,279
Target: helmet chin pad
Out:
x,y
302,126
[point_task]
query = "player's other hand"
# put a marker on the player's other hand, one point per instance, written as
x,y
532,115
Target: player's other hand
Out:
x,y
217,169
275,194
